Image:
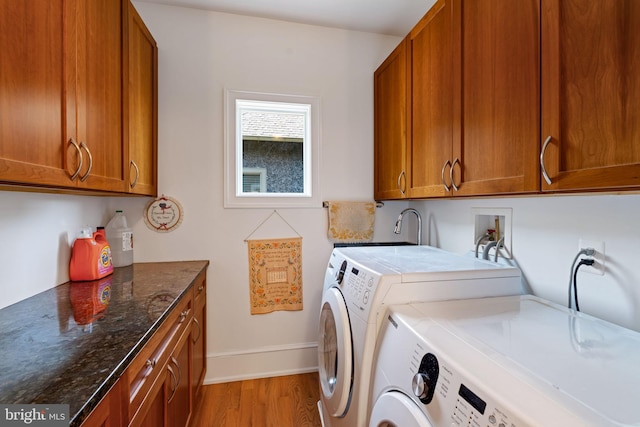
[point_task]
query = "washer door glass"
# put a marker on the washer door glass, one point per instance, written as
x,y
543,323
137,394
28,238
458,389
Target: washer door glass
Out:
x,y
395,409
335,353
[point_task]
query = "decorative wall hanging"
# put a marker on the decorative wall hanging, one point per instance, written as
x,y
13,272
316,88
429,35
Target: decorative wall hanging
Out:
x,y
275,273
163,214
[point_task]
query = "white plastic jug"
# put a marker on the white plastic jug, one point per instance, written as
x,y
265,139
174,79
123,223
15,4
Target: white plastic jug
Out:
x,y
120,238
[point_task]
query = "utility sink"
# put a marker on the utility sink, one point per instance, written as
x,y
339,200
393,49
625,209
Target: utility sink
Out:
x,y
344,245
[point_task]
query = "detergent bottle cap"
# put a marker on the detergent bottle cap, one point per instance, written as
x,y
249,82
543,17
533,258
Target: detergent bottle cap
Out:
x,y
85,233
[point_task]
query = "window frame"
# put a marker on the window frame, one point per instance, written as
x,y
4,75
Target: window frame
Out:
x,y
234,197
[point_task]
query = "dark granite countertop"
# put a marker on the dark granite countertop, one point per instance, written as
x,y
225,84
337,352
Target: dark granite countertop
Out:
x,y
69,344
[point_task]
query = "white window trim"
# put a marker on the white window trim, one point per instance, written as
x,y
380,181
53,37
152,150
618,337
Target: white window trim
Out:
x,y
233,196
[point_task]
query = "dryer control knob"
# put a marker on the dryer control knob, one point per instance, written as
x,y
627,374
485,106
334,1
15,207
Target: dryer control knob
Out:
x,y
420,385
341,272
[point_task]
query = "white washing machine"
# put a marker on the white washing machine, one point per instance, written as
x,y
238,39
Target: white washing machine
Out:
x,y
516,361
359,283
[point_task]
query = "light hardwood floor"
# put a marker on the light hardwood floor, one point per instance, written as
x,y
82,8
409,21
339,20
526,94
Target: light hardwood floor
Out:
x,y
287,401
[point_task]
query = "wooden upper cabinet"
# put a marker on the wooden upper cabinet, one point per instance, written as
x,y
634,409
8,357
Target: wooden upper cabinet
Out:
x,y
591,94
37,93
142,114
430,145
99,83
496,96
78,96
391,125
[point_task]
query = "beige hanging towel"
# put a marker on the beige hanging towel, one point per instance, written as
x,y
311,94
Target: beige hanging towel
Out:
x,y
351,222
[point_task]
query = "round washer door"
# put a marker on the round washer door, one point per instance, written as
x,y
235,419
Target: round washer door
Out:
x,y
335,353
395,409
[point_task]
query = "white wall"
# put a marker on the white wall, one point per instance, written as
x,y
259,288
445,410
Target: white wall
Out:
x,y
545,236
36,234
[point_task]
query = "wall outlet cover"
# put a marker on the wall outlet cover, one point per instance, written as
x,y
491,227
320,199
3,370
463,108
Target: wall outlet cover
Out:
x,y
598,266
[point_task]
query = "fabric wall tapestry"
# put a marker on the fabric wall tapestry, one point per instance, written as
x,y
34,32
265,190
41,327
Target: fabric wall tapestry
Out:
x,y
275,275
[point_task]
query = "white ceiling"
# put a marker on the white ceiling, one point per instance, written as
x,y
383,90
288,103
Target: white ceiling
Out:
x,y
392,17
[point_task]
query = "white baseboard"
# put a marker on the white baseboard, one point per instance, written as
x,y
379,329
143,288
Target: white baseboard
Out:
x,y
261,362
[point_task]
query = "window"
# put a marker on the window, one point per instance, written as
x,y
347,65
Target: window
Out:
x,y
271,150
254,180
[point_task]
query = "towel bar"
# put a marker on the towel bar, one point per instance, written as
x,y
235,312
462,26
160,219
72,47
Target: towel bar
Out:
x,y
378,204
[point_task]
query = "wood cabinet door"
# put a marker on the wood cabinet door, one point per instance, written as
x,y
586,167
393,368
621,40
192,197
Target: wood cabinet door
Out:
x,y
591,94
391,125
142,117
37,98
169,401
153,411
179,400
108,413
100,93
431,104
199,336
497,96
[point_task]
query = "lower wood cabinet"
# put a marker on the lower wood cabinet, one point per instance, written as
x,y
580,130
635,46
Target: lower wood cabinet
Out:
x,y
169,400
109,412
178,383
199,335
161,384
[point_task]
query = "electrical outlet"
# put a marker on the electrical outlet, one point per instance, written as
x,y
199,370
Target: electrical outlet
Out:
x,y
598,256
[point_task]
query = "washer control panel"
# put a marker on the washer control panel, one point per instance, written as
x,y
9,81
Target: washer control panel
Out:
x,y
359,287
438,387
461,401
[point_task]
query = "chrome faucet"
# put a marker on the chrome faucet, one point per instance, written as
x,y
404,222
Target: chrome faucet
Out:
x,y
398,226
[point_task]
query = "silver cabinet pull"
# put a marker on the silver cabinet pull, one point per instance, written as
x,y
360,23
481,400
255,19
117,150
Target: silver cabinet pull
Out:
x,y
183,315
400,186
175,362
544,170
84,177
77,171
174,386
442,175
453,184
176,380
195,340
135,181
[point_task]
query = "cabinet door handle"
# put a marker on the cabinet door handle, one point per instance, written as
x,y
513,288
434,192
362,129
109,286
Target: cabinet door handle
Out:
x,y
453,184
77,171
183,315
84,177
174,385
544,170
195,320
446,187
135,181
175,362
151,363
400,186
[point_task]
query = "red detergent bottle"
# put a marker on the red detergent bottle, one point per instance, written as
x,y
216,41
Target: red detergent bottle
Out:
x,y
90,256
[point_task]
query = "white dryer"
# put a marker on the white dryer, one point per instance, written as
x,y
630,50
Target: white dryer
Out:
x,y
516,361
359,284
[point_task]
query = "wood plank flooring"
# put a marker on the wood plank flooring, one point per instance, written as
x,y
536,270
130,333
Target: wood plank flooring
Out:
x,y
287,401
